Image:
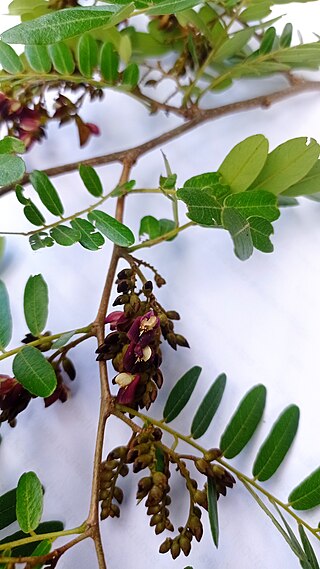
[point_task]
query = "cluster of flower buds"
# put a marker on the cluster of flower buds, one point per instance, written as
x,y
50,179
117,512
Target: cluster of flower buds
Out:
x,y
222,478
182,542
23,122
133,344
111,469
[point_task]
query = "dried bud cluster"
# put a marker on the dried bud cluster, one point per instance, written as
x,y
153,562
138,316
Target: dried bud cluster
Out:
x,y
133,344
182,542
111,469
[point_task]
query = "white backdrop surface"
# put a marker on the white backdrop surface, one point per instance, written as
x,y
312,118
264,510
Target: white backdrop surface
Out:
x,y
257,321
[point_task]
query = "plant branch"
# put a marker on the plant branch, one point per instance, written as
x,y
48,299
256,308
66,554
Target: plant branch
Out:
x,y
200,116
40,537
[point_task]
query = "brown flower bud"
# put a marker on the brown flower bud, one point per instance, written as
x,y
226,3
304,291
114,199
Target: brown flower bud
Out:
x,y
195,526
135,302
157,434
124,470
141,462
155,496
125,274
118,452
160,527
121,299
203,466
165,546
200,497
160,479
171,339
212,454
118,494
185,544
110,464
182,341
156,518
114,511
175,549
173,315
159,280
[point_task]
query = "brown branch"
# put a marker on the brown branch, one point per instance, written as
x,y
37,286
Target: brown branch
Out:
x,y
200,116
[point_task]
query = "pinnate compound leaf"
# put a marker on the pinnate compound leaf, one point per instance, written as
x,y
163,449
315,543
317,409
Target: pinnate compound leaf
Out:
x,y
90,238
245,161
12,169
213,510
287,164
180,394
109,63
117,232
11,144
149,226
62,59
38,58
308,549
8,508
208,407
277,444
171,7
239,229
34,372
91,180
29,502
64,235
5,317
309,184
46,191
307,494
87,55
244,422
9,60
36,303
28,548
58,26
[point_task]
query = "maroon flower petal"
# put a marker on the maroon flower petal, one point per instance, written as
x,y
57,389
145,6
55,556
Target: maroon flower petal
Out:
x,y
126,395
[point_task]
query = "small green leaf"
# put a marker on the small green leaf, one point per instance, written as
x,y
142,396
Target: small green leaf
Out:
x,y
286,36
208,407
63,340
12,169
171,7
287,164
109,63
149,226
38,58
5,317
234,45
34,372
180,394
43,548
130,77
311,556
204,196
28,548
87,55
33,214
267,41
213,509
47,192
256,12
239,229
64,235
62,59
117,232
91,180
90,238
36,304
245,161
309,184
11,144
244,422
8,508
254,203
29,502
167,225
307,494
40,240
125,48
277,444
9,60
260,230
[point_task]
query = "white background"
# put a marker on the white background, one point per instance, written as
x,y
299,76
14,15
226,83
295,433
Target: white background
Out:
x,y
258,321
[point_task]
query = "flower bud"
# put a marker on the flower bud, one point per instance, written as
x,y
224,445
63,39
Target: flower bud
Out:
x,y
175,549
185,544
118,494
165,546
212,454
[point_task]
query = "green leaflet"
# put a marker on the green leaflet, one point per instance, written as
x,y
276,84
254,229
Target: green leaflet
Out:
x,y
58,26
5,317
213,510
245,161
307,494
308,548
87,55
239,229
11,144
38,58
244,422
90,238
307,55
47,192
149,226
9,60
260,230
286,36
62,58
130,76
277,444
91,180
287,164
309,184
64,235
234,45
109,63
29,502
30,210
34,372
256,12
117,232
43,548
125,48
63,340
36,303
180,394
28,548
268,41
8,508
204,207
171,7
12,169
40,240
208,407
254,203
